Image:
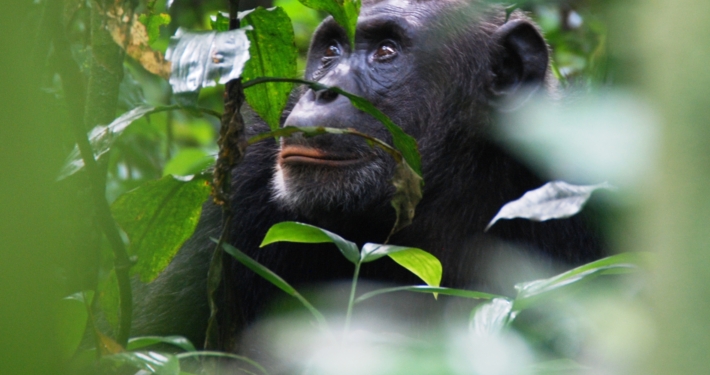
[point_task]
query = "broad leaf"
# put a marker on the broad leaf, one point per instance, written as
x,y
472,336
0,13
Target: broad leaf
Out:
x,y
158,217
554,200
152,362
417,261
178,341
220,21
187,162
621,263
273,54
420,263
110,299
290,231
71,322
135,37
201,59
152,23
345,12
428,289
102,138
490,318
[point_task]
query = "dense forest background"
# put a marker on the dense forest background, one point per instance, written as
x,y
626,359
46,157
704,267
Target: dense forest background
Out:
x,y
636,78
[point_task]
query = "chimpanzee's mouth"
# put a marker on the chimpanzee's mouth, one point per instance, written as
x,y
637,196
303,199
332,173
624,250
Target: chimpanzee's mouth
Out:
x,y
299,155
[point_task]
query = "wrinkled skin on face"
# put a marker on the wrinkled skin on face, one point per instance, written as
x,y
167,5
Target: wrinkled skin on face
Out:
x,y
440,70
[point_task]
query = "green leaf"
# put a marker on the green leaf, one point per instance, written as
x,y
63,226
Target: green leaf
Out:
x,y
142,342
428,289
158,217
490,318
345,12
290,231
420,263
72,317
152,24
220,21
109,299
259,269
273,53
530,292
416,261
402,141
187,162
152,362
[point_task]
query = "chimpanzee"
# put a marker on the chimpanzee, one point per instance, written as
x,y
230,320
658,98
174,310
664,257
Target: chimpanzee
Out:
x,y
439,69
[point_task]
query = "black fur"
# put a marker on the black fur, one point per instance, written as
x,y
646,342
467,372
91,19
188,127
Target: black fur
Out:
x,y
455,66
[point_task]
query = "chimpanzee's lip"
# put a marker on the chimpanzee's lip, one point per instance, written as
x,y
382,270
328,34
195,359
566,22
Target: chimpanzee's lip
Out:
x,y
295,155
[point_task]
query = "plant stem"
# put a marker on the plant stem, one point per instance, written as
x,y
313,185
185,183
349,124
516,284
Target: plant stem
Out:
x,y
106,72
351,302
108,226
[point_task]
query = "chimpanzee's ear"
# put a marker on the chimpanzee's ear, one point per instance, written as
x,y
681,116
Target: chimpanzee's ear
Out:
x,y
522,59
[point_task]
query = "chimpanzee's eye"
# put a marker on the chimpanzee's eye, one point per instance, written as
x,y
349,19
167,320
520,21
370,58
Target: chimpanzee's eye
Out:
x,y
332,51
385,51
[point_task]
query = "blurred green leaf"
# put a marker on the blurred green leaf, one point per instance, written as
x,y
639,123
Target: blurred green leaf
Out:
x,y
417,261
273,54
179,341
429,289
220,21
345,12
72,318
109,299
152,362
289,231
558,367
158,217
529,292
152,24
490,318
187,162
205,353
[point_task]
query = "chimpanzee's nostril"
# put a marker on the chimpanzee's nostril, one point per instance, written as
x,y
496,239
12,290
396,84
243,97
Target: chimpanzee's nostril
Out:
x,y
325,96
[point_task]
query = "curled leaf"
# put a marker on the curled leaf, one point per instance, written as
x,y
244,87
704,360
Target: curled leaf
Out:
x,y
133,36
490,318
201,59
290,231
554,200
102,138
408,193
